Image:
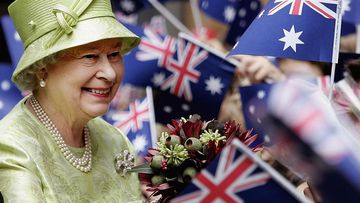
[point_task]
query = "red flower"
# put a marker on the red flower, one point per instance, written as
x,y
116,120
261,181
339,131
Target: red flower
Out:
x,y
193,128
173,177
175,127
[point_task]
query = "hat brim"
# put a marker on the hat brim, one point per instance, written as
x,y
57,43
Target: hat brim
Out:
x,y
86,31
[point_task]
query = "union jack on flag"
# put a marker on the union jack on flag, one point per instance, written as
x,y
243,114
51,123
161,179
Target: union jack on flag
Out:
x,y
154,46
238,176
289,33
296,7
153,52
133,118
194,79
137,122
195,82
183,69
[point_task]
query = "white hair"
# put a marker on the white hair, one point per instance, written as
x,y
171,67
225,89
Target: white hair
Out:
x,y
28,78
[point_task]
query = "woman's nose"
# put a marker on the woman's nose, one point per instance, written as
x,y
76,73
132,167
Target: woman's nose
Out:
x,y
106,70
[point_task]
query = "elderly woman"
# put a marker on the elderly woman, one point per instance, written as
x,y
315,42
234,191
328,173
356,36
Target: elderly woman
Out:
x,y
53,148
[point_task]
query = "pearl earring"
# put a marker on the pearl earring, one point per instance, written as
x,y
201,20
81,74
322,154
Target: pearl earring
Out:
x,y
42,83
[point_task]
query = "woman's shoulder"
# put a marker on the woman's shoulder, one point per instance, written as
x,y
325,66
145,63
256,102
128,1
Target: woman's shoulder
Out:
x,y
18,125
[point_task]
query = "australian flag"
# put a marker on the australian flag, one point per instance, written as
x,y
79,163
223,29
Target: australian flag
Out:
x,y
254,103
237,175
195,79
289,33
254,100
127,6
224,11
137,122
153,53
9,94
131,6
188,77
247,12
309,116
13,40
237,14
351,11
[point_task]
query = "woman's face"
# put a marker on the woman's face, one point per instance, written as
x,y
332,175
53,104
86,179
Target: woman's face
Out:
x,y
85,79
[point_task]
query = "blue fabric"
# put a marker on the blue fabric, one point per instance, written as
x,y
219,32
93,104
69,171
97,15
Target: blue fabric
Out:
x,y
254,104
247,12
131,6
351,11
313,41
13,41
9,94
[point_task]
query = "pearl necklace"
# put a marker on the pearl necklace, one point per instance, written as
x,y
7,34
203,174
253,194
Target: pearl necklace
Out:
x,y
84,163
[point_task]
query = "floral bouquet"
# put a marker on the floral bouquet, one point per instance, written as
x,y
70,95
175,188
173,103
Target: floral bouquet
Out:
x,y
189,146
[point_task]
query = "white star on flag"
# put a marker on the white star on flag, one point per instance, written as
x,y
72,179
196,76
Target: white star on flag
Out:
x,y
242,12
205,4
139,143
261,94
158,79
252,109
127,5
167,109
5,85
345,6
253,5
291,38
229,13
214,85
185,107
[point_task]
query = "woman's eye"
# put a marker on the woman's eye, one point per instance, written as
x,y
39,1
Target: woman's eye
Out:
x,y
89,56
115,56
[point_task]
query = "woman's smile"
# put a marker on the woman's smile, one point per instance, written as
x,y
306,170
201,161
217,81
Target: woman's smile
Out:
x,y
98,92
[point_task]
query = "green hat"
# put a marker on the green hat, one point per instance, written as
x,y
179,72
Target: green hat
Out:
x,y
49,26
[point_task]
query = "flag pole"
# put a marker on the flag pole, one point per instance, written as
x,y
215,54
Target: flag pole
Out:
x,y
332,80
169,16
152,121
358,38
336,47
196,15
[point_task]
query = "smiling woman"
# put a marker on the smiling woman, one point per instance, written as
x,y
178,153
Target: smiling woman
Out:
x,y
53,146
83,81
